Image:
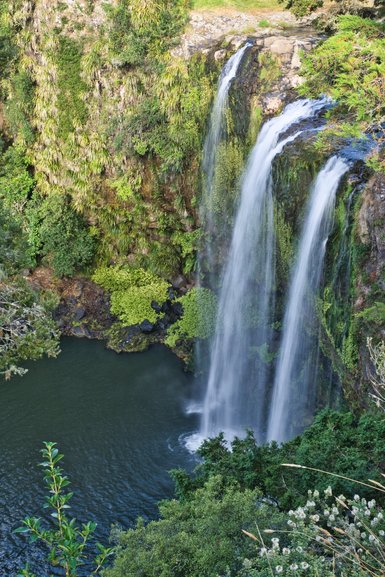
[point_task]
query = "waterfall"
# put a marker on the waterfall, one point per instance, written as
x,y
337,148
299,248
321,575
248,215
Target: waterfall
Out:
x,y
238,374
295,386
212,142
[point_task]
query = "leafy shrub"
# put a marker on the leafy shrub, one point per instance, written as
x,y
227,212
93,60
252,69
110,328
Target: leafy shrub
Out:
x,y
16,180
350,67
8,48
187,242
200,537
71,105
19,106
132,292
115,279
66,542
27,330
60,235
139,29
354,445
301,8
330,536
198,320
14,250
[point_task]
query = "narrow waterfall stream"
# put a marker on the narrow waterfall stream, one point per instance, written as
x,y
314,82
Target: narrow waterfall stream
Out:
x,y
211,145
295,383
238,377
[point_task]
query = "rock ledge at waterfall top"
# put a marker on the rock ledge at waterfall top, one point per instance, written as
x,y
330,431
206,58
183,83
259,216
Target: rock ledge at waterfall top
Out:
x,y
209,27
219,34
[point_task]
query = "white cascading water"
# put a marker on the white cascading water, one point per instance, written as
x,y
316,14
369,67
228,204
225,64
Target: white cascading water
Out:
x,y
295,387
212,142
237,380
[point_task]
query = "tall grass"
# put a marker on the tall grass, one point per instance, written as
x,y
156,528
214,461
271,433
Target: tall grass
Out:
x,y
241,5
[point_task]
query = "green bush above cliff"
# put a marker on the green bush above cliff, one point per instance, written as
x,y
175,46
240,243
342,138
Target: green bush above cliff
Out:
x,y
132,292
350,68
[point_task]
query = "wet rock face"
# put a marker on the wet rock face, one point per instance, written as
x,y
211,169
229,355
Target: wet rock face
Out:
x,y
282,55
371,226
83,309
370,274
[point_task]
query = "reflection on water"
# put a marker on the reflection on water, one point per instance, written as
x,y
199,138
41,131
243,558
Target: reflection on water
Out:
x,y
117,419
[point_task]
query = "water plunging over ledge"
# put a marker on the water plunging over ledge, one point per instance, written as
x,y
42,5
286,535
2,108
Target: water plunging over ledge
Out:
x,y
237,384
295,380
212,142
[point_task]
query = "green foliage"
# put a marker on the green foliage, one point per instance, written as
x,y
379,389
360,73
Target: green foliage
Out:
x,y
132,292
350,67
199,537
60,234
19,107
72,110
198,320
163,258
14,254
8,48
374,314
16,180
168,120
133,305
188,244
376,162
330,536
117,125
119,279
255,123
284,236
140,29
301,7
27,330
228,170
127,186
66,542
354,445
270,69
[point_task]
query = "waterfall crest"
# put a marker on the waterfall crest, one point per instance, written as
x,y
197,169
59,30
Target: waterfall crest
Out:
x,y
294,385
237,381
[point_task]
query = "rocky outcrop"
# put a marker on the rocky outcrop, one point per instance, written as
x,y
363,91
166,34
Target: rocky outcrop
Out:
x,y
83,310
209,27
371,226
282,53
369,305
269,73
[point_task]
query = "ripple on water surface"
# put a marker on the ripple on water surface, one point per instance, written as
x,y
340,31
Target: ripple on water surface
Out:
x,y
118,420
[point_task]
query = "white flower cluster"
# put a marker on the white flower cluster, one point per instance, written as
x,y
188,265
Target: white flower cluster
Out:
x,y
326,523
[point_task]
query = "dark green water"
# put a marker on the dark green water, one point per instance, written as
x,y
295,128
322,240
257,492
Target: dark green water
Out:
x,y
119,420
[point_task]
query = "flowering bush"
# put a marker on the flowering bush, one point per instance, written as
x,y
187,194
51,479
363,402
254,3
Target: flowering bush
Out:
x,y
329,536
